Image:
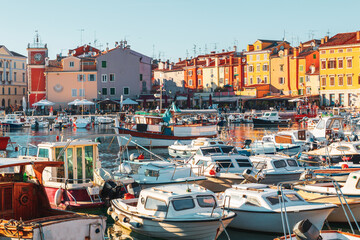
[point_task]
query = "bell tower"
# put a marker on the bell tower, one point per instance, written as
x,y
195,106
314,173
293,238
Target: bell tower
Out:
x,y
37,53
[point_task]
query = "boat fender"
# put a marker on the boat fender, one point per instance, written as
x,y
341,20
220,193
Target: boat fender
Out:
x,y
58,196
141,156
217,169
125,219
133,156
344,166
128,196
212,172
305,230
136,224
125,168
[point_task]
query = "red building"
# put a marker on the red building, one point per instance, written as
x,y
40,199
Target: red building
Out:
x,y
37,56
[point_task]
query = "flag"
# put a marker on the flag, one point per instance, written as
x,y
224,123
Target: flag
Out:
x,y
167,116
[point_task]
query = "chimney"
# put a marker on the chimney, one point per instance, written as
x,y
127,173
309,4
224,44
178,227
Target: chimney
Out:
x,y
326,39
166,64
231,60
212,52
322,41
195,61
161,65
171,66
116,44
301,47
223,50
296,52
217,61
179,59
235,48
286,52
207,61
358,36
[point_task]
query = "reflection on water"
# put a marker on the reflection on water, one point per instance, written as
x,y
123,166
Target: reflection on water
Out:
x,y
108,150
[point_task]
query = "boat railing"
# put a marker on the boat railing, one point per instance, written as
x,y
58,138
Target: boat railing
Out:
x,y
69,181
338,191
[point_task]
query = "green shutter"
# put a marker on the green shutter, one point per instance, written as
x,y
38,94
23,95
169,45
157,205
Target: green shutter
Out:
x,y
314,56
103,64
141,77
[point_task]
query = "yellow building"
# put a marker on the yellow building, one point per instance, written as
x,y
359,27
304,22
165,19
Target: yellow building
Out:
x,y
340,69
280,72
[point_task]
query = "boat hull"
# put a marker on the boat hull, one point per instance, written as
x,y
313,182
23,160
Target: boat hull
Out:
x,y
249,220
276,178
217,184
272,123
203,229
4,142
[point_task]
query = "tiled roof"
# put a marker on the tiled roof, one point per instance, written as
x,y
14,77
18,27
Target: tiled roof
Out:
x,y
306,51
17,54
341,39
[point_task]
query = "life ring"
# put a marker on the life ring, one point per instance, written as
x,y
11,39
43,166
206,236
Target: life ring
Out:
x,y
24,199
344,166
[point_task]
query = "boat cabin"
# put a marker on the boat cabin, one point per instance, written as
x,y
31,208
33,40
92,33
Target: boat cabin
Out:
x,y
329,127
270,116
174,201
257,197
275,163
80,159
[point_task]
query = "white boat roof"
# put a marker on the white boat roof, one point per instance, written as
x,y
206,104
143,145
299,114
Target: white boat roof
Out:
x,y
269,157
21,161
176,190
338,148
63,144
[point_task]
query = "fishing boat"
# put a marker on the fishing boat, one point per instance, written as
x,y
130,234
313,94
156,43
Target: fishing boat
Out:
x,y
74,185
329,128
104,120
151,130
270,119
223,166
62,121
26,212
235,118
272,169
178,149
183,211
12,122
39,124
258,208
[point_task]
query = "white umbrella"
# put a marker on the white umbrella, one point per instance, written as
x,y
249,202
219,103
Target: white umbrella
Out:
x,y
296,100
24,103
128,101
84,102
73,102
43,103
181,98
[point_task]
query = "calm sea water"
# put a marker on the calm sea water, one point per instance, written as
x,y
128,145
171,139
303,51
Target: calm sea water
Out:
x,y
108,150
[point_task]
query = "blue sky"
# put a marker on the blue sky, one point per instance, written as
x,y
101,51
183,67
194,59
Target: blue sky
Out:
x,y
169,28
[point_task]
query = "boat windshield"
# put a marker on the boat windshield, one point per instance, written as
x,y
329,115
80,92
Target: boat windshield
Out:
x,y
292,163
180,204
293,197
273,200
224,149
155,204
206,201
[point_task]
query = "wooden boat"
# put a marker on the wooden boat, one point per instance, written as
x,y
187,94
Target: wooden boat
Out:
x,y
327,235
26,213
252,202
183,211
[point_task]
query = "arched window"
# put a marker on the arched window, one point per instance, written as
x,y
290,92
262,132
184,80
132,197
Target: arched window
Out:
x,y
9,102
3,103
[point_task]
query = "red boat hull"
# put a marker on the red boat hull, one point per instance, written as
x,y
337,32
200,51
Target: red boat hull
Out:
x,y
4,142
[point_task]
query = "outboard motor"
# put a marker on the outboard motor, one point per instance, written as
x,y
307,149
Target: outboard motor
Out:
x,y
307,174
134,189
305,230
111,191
250,175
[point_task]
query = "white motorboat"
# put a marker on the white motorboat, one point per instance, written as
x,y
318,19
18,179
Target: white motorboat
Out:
x,y
258,208
325,235
155,172
349,189
272,169
178,149
104,120
281,143
83,122
183,211
235,118
222,165
328,128
27,213
270,119
39,123
12,121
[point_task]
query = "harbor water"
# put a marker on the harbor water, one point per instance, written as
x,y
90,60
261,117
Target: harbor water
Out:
x,y
27,140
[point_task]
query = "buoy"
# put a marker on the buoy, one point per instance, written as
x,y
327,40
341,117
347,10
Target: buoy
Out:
x,y
58,196
141,156
128,196
16,148
344,166
212,172
57,138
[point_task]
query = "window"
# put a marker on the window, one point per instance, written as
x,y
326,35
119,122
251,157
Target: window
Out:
x,y
23,66
74,92
341,51
341,99
91,77
15,89
126,91
103,64
332,51
190,72
155,204
14,64
265,79
206,201
23,91
265,67
273,200
279,163
323,52
258,80
308,90
71,64
349,63
81,92
282,67
340,63
81,77
301,79
112,77
314,56
251,68
349,80
265,56
349,50
9,91
23,77
323,81
332,80
281,80
349,100
104,91
292,163
251,57
3,91
323,64
200,81
301,68
251,80
235,70
43,152
257,57
258,67
14,76
180,204
243,162
112,91
224,163
141,77
293,197
103,77
252,201
341,80
332,99
331,64
190,82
